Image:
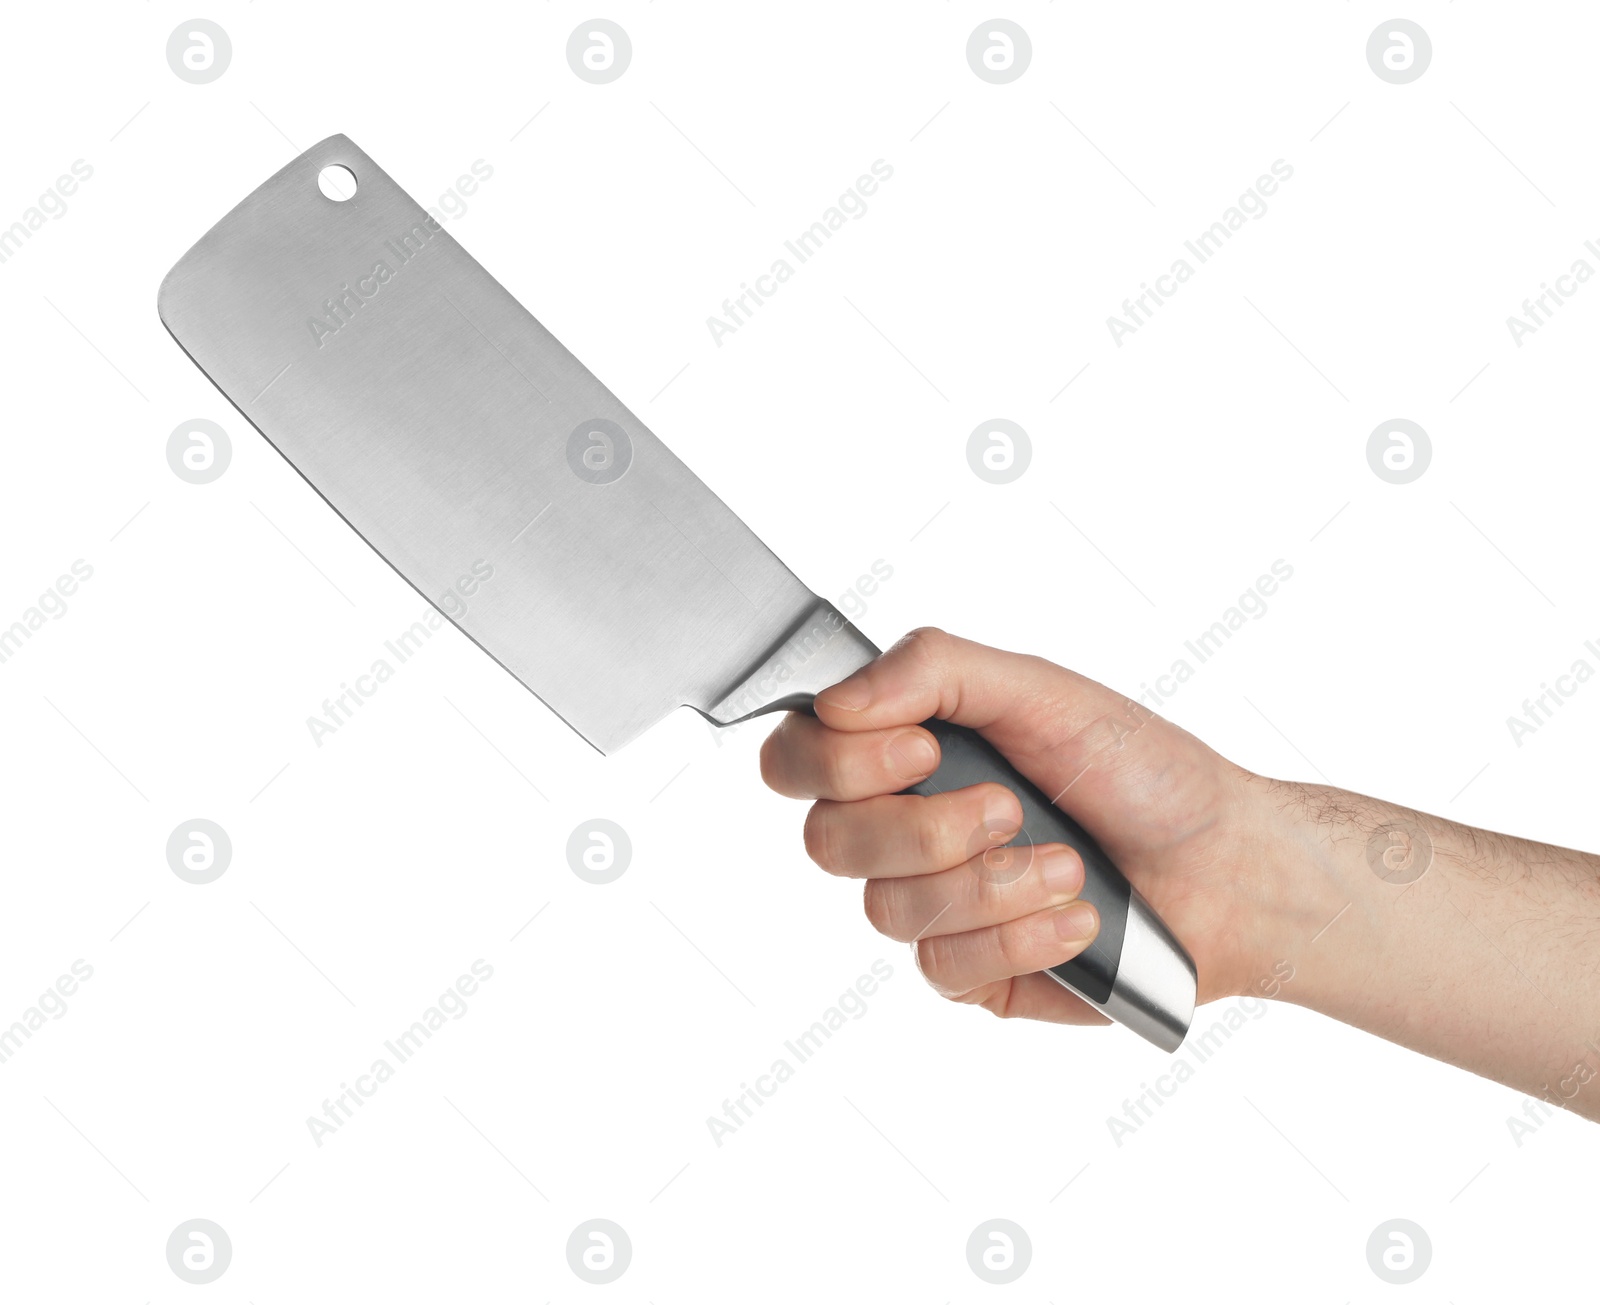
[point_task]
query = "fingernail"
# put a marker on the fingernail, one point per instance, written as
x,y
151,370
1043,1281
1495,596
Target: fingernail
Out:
x,y
1000,812
1077,922
1062,870
913,755
851,694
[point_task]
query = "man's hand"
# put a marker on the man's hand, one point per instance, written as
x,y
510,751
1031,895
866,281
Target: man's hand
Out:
x,y
1476,948
1170,813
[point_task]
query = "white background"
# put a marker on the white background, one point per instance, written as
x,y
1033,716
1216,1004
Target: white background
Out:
x,y
369,873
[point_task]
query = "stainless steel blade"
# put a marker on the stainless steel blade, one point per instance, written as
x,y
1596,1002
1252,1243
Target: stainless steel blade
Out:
x,y
488,465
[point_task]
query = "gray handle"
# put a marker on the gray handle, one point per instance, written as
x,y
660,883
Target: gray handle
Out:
x,y
1135,971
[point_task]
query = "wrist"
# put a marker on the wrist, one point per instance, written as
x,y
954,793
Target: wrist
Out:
x,y
1314,888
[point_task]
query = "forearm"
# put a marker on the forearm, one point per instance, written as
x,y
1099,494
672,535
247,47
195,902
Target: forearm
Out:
x,y
1472,947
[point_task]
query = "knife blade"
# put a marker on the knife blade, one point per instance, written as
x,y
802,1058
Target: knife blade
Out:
x,y
460,439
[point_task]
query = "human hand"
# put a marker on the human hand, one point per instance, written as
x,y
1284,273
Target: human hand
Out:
x,y
1190,830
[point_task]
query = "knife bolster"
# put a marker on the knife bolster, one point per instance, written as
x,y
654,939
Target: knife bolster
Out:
x,y
818,651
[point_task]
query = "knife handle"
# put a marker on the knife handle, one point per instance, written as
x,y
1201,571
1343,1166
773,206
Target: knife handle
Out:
x,y
1135,972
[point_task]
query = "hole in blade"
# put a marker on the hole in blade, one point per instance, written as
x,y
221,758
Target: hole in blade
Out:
x,y
337,182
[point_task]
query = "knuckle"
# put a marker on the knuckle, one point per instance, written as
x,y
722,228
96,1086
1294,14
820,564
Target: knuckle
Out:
x,y
1010,947
771,763
929,842
933,960
992,796
835,769
884,905
821,837
927,636
998,1001
989,893
928,645
948,964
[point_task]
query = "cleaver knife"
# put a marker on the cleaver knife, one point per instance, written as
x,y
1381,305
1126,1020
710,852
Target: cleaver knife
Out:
x,y
458,437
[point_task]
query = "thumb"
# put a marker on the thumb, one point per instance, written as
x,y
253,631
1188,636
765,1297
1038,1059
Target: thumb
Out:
x,y
1068,734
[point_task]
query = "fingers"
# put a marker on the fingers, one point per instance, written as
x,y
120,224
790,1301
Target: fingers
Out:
x,y
931,673
1033,997
905,835
956,964
803,758
1001,885
1134,781
983,929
